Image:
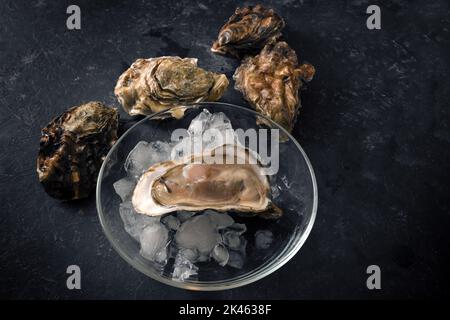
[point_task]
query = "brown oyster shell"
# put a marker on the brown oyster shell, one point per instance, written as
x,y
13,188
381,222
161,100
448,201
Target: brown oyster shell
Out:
x,y
190,184
270,82
156,84
249,29
73,147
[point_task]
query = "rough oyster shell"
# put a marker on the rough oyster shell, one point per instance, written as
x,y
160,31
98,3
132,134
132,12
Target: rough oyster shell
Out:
x,y
270,82
194,184
72,149
156,84
247,30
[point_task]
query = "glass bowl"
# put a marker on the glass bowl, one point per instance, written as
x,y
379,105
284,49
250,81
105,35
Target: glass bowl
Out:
x,y
293,189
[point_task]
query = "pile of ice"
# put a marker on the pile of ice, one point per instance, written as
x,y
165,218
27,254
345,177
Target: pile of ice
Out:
x,y
207,131
186,237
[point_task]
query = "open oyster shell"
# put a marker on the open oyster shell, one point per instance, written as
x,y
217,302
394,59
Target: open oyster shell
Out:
x,y
270,82
248,30
199,182
73,147
156,84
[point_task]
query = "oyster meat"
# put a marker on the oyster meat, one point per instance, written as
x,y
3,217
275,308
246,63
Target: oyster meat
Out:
x,y
72,149
248,30
156,84
196,184
270,82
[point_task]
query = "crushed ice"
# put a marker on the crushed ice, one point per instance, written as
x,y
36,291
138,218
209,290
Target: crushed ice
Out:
x,y
213,130
196,237
183,266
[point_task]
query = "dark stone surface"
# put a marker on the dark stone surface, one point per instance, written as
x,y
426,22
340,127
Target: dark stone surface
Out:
x,y
375,125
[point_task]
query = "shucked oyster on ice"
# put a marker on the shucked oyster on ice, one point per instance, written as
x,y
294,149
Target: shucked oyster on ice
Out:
x,y
195,184
270,82
156,84
72,149
247,30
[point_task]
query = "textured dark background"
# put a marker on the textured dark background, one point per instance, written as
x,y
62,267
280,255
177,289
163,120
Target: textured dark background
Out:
x,y
375,124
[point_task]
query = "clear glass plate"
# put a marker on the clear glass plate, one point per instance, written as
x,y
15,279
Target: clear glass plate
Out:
x,y
293,188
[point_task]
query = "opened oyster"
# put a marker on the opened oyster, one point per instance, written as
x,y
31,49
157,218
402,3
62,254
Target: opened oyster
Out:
x,y
247,30
233,181
156,84
270,82
72,149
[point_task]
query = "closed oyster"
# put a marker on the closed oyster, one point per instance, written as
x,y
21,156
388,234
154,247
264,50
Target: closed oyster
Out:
x,y
196,184
247,30
72,149
270,82
156,84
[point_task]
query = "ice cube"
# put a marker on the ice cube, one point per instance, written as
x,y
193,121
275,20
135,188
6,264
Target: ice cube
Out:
x,y
161,255
220,254
237,256
243,247
263,239
219,131
145,154
206,131
239,228
231,236
200,123
134,222
203,257
220,220
124,188
183,268
236,260
232,239
213,138
171,222
182,149
184,215
198,233
154,242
